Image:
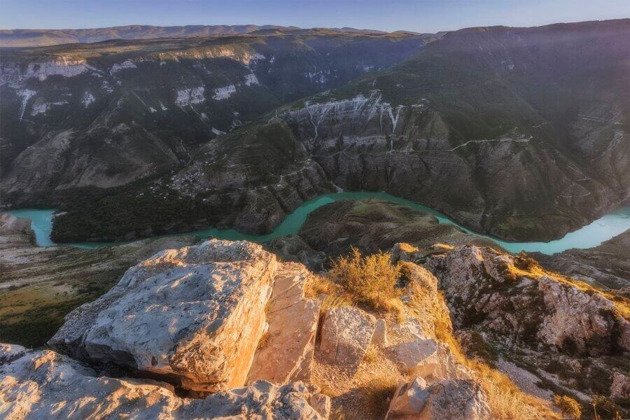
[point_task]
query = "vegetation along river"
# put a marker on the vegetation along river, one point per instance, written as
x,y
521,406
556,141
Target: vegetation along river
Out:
x,y
588,236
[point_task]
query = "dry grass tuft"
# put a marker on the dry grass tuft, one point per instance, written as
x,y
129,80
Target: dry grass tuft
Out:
x,y
335,301
371,355
317,285
405,247
370,281
505,399
568,406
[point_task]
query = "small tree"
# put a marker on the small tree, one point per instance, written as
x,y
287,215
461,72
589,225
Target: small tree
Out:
x,y
568,406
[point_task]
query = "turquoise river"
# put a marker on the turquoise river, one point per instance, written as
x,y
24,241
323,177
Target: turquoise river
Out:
x,y
588,236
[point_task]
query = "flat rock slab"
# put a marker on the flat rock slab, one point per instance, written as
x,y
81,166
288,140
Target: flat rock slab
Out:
x,y
192,316
286,352
346,334
46,385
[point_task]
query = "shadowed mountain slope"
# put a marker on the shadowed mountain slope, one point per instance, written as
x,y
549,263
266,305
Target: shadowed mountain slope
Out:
x,y
517,132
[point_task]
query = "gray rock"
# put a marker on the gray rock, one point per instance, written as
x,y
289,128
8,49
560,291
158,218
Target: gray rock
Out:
x,y
512,298
419,357
46,385
346,334
10,352
450,399
620,387
193,316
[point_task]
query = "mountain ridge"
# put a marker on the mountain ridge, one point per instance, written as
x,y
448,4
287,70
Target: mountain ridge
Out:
x,y
20,38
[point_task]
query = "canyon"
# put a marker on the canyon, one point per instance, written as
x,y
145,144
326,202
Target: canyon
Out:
x,y
414,130
278,223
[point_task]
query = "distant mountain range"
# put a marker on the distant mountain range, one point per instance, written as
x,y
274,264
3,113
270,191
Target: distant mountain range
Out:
x,y
47,37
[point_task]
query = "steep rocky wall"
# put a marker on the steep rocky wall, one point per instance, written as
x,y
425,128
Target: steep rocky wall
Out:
x,y
108,114
514,141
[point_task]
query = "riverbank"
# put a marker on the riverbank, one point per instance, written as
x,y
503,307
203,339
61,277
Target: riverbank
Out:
x,y
589,236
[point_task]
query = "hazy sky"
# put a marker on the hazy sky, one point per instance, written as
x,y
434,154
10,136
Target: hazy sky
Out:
x,y
389,15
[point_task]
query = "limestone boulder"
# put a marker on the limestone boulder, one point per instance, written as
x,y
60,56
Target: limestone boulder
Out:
x,y
47,385
346,334
192,316
285,353
452,399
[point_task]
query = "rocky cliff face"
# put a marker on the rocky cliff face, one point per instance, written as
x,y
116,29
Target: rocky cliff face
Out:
x,y
108,114
413,150
499,128
569,335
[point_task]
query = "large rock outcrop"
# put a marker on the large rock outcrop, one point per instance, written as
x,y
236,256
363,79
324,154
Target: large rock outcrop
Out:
x,y
46,385
213,317
514,298
562,330
193,316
